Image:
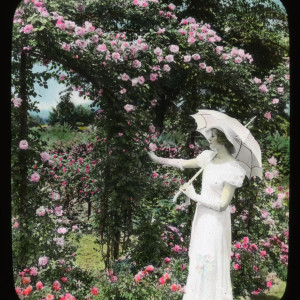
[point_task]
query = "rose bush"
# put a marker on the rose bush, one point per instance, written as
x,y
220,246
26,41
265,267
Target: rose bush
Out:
x,y
145,80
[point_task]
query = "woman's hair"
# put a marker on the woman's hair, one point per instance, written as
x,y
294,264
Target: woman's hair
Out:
x,y
222,139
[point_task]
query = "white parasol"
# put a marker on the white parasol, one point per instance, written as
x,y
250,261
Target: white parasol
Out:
x,y
246,149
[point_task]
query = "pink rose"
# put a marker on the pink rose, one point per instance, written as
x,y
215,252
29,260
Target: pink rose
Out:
x,y
152,146
35,177
187,58
257,80
101,48
263,88
280,90
236,266
275,101
17,102
23,145
149,268
43,260
129,107
263,253
174,48
269,175
170,58
162,280
232,209
196,56
269,191
167,260
272,161
153,76
209,69
27,29
268,115
39,285
191,40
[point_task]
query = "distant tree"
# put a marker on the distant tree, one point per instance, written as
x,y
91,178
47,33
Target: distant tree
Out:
x,y
66,112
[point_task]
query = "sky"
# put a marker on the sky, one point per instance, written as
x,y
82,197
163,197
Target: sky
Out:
x,y
48,98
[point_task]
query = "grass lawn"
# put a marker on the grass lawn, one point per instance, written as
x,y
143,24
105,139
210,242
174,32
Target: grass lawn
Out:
x,y
88,255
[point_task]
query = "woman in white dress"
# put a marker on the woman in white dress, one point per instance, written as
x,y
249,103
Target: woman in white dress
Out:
x,y
210,243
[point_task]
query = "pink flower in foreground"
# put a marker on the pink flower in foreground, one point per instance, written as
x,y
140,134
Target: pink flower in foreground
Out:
x,y
269,191
272,161
49,297
16,225
268,115
269,175
176,248
263,253
174,48
264,213
17,102
137,278
162,280
149,268
269,284
191,40
23,145
43,260
196,56
95,291
101,48
232,209
171,6
62,230
170,58
236,266
152,146
27,29
155,175
65,46
257,80
35,177
263,88
209,69
280,90
129,107
39,285
167,260
153,76
275,101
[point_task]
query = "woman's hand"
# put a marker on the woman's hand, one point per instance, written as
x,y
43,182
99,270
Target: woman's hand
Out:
x,y
152,156
188,190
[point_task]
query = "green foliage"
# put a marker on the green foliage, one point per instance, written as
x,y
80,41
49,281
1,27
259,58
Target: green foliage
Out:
x,y
67,113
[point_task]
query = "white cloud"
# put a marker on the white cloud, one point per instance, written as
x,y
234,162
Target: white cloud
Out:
x,y
77,100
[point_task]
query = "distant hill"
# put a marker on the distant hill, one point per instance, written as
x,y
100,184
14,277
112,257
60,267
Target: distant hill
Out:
x,y
43,114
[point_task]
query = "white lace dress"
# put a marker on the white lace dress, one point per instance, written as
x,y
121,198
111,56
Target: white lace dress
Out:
x,y
210,245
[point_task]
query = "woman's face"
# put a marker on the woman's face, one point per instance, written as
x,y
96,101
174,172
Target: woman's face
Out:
x,y
213,140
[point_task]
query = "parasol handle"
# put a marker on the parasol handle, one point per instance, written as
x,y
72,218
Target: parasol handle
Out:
x,y
250,121
191,180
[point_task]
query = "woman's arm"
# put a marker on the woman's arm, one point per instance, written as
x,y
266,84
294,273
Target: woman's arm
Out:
x,y
174,162
226,196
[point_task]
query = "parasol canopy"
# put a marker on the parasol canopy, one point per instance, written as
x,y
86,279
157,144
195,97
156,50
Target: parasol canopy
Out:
x,y
246,149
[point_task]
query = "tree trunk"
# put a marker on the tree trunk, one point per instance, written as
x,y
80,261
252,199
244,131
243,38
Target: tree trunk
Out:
x,y
22,156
